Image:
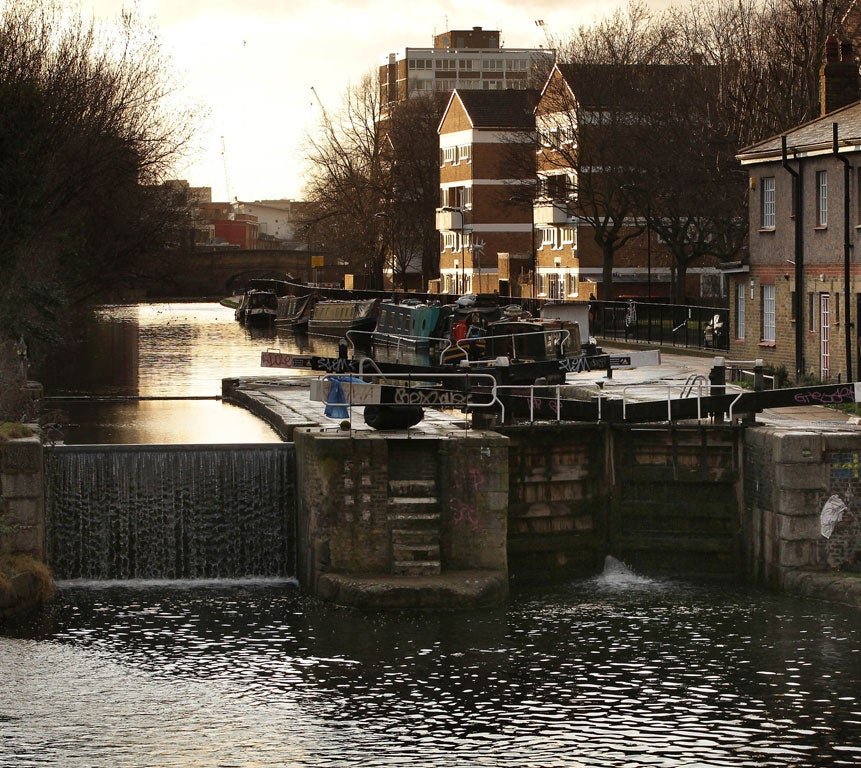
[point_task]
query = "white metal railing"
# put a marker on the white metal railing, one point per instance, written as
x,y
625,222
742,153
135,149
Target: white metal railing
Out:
x,y
680,388
417,381
557,396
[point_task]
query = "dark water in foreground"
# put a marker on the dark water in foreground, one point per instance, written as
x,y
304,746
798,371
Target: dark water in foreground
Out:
x,y
613,671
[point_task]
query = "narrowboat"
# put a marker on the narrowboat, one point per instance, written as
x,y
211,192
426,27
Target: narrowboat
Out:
x,y
335,318
294,312
409,323
259,303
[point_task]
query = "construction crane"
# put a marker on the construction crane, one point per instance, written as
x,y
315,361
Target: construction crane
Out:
x,y
540,23
224,163
322,108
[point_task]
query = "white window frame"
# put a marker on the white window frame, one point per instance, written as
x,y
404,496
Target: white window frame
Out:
x,y
768,314
449,155
768,211
740,311
464,153
822,198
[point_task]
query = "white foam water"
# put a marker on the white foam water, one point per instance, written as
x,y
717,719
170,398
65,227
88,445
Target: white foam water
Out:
x,y
617,574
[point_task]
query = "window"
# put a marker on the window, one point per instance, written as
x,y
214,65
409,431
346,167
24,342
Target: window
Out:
x,y
551,236
493,85
767,205
547,236
822,198
768,313
463,153
446,63
569,235
516,65
449,155
493,65
449,240
811,312
739,311
420,64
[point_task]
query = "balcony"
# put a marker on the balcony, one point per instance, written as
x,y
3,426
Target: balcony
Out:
x,y
551,212
449,219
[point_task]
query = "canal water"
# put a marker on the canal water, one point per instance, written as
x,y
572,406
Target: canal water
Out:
x,y
618,670
151,373
612,671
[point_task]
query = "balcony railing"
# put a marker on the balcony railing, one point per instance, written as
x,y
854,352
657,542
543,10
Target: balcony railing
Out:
x,y
551,212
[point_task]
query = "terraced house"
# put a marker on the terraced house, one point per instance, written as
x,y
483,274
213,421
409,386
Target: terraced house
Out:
x,y
797,300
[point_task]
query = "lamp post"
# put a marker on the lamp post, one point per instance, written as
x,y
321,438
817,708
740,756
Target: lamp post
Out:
x,y
649,248
452,209
387,242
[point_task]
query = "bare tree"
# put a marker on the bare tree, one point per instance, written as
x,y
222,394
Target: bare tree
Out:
x,y
86,141
348,182
375,183
591,124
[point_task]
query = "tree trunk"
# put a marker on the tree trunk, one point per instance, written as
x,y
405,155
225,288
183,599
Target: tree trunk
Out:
x,y
607,272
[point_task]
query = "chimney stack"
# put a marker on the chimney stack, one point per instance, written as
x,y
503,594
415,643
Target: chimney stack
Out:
x,y
839,82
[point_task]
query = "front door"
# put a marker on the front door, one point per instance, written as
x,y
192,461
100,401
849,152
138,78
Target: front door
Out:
x,y
825,335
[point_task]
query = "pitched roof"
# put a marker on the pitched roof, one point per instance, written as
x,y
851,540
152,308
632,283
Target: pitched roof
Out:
x,y
811,138
499,109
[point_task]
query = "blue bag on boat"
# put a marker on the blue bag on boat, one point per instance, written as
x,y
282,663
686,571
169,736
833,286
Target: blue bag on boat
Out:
x,y
336,402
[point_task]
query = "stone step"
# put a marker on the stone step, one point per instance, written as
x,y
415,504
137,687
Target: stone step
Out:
x,y
407,488
409,553
417,536
414,568
412,501
415,521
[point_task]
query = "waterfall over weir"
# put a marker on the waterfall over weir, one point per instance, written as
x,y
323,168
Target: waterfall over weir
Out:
x,y
171,511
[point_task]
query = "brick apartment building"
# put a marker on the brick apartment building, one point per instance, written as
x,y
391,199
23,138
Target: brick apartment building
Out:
x,y
487,176
797,300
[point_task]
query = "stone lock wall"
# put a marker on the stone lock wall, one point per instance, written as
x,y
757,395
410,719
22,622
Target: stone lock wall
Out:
x,y
22,506
375,505
789,477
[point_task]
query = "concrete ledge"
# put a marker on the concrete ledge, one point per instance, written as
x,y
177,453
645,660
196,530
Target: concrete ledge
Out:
x,y
834,587
451,591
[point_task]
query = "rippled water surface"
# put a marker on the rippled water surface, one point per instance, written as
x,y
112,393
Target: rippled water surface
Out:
x,y
615,671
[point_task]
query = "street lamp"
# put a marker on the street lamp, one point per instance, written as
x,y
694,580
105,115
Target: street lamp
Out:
x,y
452,209
383,215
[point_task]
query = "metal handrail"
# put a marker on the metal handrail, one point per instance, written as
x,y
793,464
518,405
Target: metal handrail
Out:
x,y
558,389
409,378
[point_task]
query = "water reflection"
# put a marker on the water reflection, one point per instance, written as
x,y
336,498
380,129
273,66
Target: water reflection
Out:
x,y
593,674
180,350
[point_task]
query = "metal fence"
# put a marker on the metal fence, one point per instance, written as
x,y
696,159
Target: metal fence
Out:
x,y
671,325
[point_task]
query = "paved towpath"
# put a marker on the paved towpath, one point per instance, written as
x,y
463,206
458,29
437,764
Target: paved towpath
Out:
x,y
678,369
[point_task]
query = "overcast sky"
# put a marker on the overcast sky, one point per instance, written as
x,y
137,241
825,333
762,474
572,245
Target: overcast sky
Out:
x,y
251,65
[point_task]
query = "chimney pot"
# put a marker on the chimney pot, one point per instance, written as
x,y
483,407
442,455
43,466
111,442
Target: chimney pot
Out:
x,y
832,49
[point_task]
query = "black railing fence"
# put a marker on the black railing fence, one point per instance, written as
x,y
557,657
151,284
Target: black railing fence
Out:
x,y
671,325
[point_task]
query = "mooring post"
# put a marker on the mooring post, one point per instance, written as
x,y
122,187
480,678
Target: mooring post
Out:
x,y
717,378
758,377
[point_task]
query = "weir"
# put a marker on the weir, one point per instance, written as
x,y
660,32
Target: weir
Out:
x,y
170,511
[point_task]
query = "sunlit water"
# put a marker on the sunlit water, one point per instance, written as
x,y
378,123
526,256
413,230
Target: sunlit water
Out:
x,y
613,671
181,350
